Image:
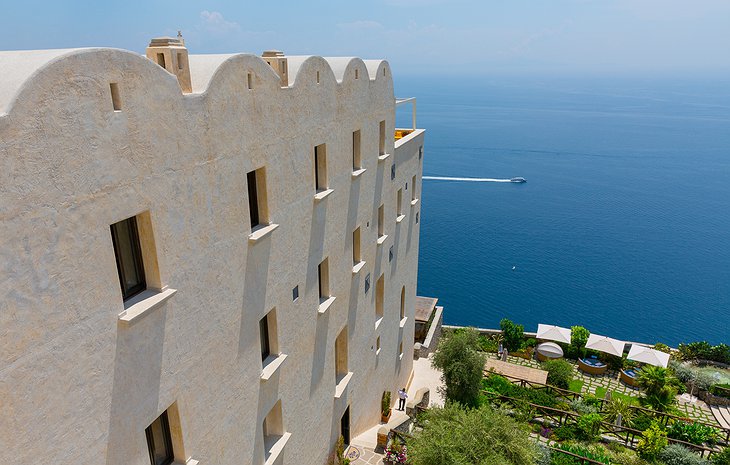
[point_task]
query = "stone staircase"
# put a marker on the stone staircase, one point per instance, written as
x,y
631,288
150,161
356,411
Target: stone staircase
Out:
x,y
722,415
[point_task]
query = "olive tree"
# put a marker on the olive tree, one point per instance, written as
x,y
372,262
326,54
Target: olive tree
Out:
x,y
461,365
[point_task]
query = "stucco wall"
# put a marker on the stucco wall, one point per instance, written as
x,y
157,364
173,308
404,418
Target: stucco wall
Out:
x,y
76,386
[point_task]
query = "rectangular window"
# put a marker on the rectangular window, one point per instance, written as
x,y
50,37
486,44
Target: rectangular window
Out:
x,y
159,441
356,160
413,189
381,221
377,344
379,296
264,337
125,238
356,246
399,202
357,74
323,279
257,202
341,355
295,293
161,60
180,62
382,138
320,167
116,100
249,80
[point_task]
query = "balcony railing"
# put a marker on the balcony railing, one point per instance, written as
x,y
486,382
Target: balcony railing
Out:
x,y
401,133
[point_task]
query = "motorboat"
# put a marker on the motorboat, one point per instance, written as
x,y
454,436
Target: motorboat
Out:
x,y
518,179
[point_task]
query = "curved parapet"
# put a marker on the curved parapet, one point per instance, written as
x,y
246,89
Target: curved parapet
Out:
x,y
22,68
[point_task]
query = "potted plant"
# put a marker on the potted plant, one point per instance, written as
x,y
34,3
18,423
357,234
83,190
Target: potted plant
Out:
x,y
395,453
385,407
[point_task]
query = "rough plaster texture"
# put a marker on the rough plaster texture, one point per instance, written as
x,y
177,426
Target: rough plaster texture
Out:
x,y
79,387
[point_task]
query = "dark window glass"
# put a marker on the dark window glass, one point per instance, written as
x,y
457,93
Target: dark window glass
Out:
x,y
253,198
295,293
264,335
316,169
159,441
392,172
129,257
319,281
390,254
367,283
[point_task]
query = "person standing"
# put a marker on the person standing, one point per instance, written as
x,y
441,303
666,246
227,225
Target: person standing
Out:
x,y
402,396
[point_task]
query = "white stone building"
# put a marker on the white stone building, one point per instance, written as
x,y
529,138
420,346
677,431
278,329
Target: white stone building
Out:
x,y
205,259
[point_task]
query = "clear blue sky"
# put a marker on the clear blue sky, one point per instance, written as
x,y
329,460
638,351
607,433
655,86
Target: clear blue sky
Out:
x,y
674,37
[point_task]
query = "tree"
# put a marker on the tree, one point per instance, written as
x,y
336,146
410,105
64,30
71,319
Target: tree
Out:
x,y
455,436
658,386
652,441
513,334
461,366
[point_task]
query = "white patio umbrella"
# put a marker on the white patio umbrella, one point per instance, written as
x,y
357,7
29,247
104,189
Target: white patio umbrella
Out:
x,y
553,333
643,354
605,344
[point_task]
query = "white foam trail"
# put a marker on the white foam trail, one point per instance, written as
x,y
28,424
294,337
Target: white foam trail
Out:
x,y
445,178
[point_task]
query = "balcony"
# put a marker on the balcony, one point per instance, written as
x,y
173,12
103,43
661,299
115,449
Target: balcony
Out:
x,y
402,134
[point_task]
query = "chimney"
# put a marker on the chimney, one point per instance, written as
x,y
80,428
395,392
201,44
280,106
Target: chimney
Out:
x,y
171,54
277,61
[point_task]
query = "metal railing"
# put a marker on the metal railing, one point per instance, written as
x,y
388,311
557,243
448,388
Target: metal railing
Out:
x,y
401,101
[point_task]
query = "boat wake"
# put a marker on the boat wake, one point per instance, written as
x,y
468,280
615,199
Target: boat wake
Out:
x,y
446,178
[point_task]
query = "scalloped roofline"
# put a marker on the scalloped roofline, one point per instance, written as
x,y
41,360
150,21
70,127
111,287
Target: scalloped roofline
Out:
x,y
21,67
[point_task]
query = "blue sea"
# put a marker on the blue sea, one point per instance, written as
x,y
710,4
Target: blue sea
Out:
x,y
623,225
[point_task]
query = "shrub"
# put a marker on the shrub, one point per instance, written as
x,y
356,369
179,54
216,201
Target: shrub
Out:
x,y
565,433
642,421
721,458
512,334
722,390
675,454
385,402
448,437
704,351
461,367
500,385
487,344
652,441
692,432
530,342
582,407
560,373
662,348
618,406
543,455
614,363
593,453
588,426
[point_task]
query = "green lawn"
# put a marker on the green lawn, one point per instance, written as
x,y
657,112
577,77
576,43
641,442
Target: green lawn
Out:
x,y
601,394
576,385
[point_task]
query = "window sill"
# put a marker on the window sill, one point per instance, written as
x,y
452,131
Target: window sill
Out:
x,y
190,461
400,218
322,194
142,304
377,352
271,366
414,202
378,321
358,266
400,357
342,385
403,321
382,239
357,173
325,304
261,232
383,157
276,449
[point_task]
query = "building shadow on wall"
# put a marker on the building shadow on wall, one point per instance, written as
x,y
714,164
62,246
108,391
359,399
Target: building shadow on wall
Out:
x,y
316,254
254,298
136,384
